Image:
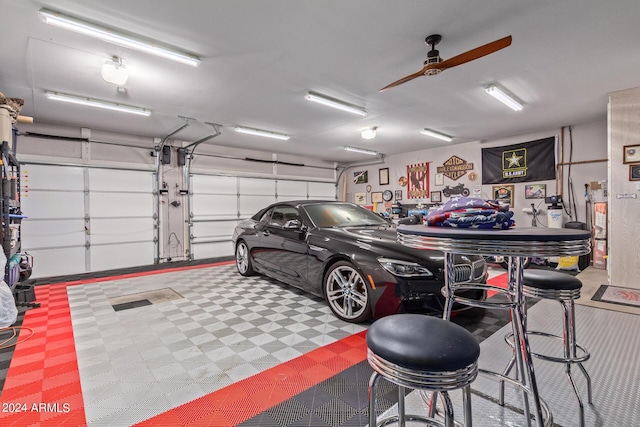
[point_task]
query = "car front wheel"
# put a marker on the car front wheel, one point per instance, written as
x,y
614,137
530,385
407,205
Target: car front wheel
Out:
x,y
347,293
243,260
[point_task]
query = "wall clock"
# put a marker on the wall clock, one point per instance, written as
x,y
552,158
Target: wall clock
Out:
x,y
387,195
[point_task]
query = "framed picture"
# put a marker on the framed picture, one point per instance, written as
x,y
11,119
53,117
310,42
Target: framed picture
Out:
x,y
503,194
535,191
376,197
398,194
360,198
439,179
383,175
631,154
360,177
634,172
436,196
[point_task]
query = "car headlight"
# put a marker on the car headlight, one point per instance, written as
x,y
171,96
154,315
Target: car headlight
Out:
x,y
402,268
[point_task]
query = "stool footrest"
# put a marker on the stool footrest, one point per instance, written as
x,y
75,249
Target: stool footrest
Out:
x,y
583,357
509,304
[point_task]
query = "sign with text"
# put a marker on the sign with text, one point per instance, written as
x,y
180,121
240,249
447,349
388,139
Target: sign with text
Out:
x,y
455,167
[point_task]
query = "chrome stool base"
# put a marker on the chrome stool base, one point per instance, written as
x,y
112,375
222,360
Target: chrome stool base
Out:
x,y
565,292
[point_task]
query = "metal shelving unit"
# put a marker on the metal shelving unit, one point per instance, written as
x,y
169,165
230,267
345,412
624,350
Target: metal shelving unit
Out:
x,y
18,266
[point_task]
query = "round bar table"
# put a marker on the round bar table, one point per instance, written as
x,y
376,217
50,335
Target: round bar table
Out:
x,y
515,244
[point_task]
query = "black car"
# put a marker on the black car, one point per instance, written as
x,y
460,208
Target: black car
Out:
x,y
349,256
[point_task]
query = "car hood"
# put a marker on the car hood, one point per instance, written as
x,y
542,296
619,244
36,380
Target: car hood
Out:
x,y
380,239
383,240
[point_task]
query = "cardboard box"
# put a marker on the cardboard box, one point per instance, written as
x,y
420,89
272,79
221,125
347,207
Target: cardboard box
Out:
x,y
600,254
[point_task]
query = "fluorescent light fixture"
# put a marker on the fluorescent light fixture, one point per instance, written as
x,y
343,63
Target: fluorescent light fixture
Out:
x,y
361,151
369,133
56,96
435,134
504,97
112,36
260,132
335,103
114,71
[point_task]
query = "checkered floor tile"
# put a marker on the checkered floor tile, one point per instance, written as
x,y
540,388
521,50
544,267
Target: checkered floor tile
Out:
x,y
228,351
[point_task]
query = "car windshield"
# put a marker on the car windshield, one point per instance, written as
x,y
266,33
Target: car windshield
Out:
x,y
342,215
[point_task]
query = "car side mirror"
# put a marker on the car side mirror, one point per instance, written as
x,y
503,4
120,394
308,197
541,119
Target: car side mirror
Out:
x,y
294,224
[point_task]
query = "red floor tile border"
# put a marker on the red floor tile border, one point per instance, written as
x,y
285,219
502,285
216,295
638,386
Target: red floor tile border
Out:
x,y
42,386
242,400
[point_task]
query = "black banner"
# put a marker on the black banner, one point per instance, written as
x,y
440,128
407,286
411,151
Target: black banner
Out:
x,y
526,162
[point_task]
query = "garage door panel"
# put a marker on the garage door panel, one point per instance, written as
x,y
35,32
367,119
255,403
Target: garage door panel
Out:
x,y
322,190
122,255
119,180
256,186
53,204
52,233
40,177
213,229
58,262
213,250
120,204
210,206
121,230
295,189
249,205
289,198
203,184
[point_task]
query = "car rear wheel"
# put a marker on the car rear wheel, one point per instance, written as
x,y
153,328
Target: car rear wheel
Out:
x,y
347,293
243,260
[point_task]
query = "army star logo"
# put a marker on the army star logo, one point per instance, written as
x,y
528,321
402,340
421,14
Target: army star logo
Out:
x,y
514,160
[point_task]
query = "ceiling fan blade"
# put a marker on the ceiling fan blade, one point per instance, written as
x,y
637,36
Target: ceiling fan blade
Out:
x,y
476,53
410,77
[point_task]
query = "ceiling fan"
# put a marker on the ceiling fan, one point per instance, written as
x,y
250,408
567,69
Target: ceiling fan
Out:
x,y
435,65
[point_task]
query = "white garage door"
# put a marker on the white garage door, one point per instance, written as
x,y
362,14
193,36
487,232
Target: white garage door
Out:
x,y
219,202
86,219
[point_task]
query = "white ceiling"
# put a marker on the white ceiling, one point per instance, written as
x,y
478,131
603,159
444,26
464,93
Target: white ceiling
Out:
x,y
260,57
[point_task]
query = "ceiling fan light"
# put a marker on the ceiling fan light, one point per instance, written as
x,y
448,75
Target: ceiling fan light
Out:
x,y
335,103
114,72
502,96
361,150
369,133
90,102
111,36
260,132
438,135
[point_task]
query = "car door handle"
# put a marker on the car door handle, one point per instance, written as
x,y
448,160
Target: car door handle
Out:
x,y
265,232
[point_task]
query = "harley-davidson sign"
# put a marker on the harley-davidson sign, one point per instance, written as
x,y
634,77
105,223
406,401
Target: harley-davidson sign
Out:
x,y
455,167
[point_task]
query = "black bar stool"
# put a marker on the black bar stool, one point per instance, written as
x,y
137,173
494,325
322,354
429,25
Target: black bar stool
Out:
x,y
424,353
565,289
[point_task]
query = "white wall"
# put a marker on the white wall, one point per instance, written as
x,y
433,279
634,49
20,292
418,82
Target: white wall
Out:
x,y
589,144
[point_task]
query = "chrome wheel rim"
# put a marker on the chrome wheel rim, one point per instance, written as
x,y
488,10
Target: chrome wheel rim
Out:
x,y
242,258
346,292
